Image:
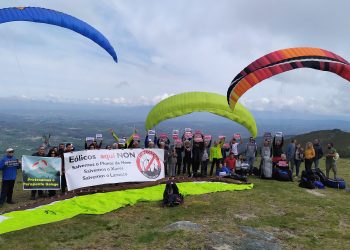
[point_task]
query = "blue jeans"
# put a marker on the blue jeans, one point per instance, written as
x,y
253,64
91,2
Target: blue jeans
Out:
x,y
297,164
316,162
250,160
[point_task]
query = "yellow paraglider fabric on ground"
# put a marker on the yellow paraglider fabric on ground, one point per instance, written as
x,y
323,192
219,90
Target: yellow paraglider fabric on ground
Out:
x,y
189,102
102,203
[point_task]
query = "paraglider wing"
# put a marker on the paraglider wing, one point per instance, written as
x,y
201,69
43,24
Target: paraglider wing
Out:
x,y
186,103
329,62
285,55
41,15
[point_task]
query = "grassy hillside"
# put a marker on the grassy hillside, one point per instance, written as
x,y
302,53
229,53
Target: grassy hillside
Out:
x,y
340,139
289,216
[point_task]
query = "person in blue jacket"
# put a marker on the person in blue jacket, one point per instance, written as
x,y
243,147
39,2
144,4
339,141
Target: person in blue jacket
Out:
x,y
9,165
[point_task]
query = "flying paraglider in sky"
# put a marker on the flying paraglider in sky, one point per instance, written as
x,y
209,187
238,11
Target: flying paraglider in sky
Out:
x,y
41,15
284,60
186,103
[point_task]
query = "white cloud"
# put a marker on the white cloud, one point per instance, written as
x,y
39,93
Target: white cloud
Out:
x,y
174,47
119,101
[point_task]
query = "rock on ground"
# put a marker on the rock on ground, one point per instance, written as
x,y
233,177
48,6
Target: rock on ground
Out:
x,y
183,225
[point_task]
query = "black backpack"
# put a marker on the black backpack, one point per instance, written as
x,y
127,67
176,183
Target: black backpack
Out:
x,y
305,183
171,195
321,175
307,179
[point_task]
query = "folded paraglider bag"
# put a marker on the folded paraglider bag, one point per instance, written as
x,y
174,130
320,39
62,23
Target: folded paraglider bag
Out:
x,y
171,195
321,175
310,175
336,183
318,184
283,174
266,168
306,183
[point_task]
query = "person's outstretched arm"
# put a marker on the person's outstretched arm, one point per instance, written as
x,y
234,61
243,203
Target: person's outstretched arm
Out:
x,y
116,138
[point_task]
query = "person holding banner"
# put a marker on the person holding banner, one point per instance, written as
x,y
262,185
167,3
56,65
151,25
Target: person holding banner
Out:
x,y
187,160
197,152
61,148
9,165
166,156
172,158
134,144
149,143
93,145
41,153
163,138
69,149
122,142
277,148
250,153
234,146
52,153
179,149
205,158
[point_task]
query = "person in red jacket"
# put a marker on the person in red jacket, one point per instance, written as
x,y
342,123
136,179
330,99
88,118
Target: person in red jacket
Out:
x,y
230,162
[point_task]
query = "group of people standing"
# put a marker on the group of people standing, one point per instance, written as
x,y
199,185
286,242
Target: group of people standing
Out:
x,y
311,156
186,156
192,156
9,165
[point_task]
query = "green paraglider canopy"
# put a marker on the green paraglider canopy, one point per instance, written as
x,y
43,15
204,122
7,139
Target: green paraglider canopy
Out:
x,y
189,102
102,203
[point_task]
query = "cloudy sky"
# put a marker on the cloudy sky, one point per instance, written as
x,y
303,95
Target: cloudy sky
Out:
x,y
168,47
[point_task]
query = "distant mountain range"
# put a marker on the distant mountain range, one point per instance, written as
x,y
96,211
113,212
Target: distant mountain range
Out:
x,y
22,123
340,139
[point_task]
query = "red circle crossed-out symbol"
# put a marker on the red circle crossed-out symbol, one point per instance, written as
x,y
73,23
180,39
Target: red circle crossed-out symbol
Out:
x,y
149,164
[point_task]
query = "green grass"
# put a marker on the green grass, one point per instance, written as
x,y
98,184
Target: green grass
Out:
x,y
298,220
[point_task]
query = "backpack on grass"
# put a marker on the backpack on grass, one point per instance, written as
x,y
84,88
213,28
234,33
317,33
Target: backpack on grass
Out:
x,y
338,183
171,195
308,180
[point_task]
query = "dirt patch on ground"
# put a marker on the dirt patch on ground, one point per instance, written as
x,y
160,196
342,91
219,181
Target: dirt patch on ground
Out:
x,y
315,192
245,216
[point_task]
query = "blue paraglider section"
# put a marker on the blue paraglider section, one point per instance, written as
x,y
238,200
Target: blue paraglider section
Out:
x,y
41,15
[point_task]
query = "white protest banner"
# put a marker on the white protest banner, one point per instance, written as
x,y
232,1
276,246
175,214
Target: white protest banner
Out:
x,y
98,167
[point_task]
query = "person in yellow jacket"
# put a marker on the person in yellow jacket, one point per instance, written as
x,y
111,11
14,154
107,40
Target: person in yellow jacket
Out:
x,y
215,155
309,155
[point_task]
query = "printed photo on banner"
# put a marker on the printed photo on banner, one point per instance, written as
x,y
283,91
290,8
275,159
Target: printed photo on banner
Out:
x,y
41,173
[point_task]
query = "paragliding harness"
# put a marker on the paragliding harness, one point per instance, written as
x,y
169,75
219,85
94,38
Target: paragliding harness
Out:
x,y
171,195
309,179
282,172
